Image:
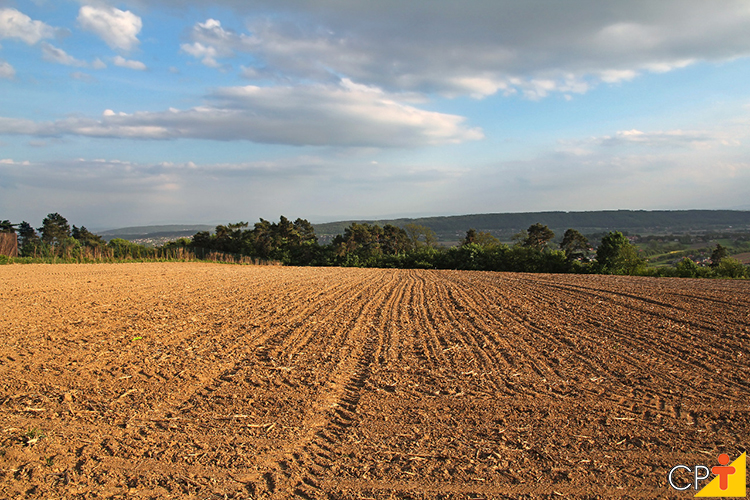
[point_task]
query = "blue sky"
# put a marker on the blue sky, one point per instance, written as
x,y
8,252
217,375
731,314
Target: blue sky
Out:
x,y
169,111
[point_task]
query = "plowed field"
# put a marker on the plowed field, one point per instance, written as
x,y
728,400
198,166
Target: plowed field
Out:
x,y
216,381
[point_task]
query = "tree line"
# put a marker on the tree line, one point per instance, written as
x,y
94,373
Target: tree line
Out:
x,y
57,241
371,245
416,246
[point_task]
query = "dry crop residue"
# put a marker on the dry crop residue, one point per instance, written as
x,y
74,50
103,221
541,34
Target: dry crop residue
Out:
x,y
214,381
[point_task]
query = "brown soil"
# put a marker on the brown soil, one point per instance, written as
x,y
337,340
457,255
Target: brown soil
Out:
x,y
216,381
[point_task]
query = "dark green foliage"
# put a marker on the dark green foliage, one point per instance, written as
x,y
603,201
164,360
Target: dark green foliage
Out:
x,y
203,240
7,227
480,238
420,236
485,239
731,268
471,237
537,236
616,255
29,242
575,245
55,229
718,255
86,237
395,240
292,243
360,242
686,268
123,248
367,245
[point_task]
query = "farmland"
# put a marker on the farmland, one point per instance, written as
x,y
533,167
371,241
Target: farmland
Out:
x,y
191,380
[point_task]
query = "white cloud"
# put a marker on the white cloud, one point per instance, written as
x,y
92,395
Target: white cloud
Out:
x,y
296,186
206,54
345,115
6,70
617,75
726,139
128,63
98,64
476,48
10,161
119,29
14,24
210,41
84,77
679,139
54,54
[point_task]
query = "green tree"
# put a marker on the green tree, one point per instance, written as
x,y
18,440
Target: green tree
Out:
x,y
55,229
360,239
717,255
202,240
616,255
29,241
305,231
537,236
471,237
7,227
574,244
730,268
120,248
420,236
69,247
86,237
486,240
520,237
687,268
395,240
262,239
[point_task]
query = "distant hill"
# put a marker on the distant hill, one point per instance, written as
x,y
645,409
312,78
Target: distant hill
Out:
x,y
504,226
155,234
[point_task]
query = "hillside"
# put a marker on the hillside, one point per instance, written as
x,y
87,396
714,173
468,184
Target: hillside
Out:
x,y
504,226
154,235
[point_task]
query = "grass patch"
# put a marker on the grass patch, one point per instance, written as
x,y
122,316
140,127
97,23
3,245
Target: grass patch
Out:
x,y
33,435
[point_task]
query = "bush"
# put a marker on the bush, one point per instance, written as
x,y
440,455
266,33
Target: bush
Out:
x,y
730,268
686,268
616,255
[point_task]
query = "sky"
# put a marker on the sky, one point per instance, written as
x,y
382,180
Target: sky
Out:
x,y
135,112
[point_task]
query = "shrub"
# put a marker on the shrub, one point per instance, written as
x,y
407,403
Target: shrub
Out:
x,y
686,268
730,268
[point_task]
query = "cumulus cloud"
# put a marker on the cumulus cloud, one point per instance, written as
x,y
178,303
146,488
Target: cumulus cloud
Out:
x,y
477,48
344,115
205,53
15,24
119,29
6,70
211,41
128,63
54,54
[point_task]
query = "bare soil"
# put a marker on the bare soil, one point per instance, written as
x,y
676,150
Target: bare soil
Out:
x,y
203,381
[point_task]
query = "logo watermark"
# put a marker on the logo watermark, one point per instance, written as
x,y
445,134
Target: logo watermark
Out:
x,y
729,481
